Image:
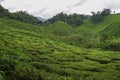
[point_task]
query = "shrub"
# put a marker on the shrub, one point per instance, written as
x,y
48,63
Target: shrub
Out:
x,y
7,65
114,46
25,71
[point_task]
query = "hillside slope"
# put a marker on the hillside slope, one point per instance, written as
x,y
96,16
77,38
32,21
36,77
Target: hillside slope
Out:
x,y
60,29
110,26
27,54
98,35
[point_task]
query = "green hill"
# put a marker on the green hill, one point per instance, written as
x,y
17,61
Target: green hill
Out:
x,y
58,51
110,26
89,34
59,29
27,53
98,34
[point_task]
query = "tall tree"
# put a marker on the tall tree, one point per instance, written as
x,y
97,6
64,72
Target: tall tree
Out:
x,y
4,12
105,12
99,16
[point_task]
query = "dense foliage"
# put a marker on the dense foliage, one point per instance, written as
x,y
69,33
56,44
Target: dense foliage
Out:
x,y
72,19
76,19
27,54
20,16
25,17
99,16
4,12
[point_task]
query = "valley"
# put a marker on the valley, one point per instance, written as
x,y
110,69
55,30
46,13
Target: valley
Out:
x,y
59,51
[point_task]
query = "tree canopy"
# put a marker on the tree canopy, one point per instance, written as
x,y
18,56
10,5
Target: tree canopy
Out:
x,y
72,19
99,16
4,12
25,17
20,16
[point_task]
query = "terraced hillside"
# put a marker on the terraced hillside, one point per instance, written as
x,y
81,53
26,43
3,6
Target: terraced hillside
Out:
x,y
59,29
110,25
27,53
97,35
109,29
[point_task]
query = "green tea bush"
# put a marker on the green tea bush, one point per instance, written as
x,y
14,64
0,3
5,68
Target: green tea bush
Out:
x,y
113,46
24,71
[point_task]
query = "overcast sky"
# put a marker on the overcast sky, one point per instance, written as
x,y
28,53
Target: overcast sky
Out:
x,y
48,8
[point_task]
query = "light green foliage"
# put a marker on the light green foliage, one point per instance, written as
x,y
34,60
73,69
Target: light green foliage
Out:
x,y
29,52
109,26
97,35
59,29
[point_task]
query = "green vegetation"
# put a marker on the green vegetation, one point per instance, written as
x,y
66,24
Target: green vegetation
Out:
x,y
4,12
99,34
25,17
74,19
20,16
25,53
59,29
58,51
99,16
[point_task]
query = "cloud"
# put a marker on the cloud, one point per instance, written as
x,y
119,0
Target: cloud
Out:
x,y
41,11
49,8
78,3
113,4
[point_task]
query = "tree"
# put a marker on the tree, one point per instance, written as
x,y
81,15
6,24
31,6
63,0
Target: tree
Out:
x,y
20,16
106,12
25,17
99,16
72,19
96,17
4,12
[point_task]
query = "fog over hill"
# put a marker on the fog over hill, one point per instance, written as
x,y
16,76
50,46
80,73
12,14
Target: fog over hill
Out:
x,y
41,19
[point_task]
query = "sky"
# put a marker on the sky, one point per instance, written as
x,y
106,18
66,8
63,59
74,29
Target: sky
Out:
x,y
49,8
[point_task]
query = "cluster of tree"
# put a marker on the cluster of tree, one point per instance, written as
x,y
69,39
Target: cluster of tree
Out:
x,y
72,19
20,16
25,17
4,12
99,16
